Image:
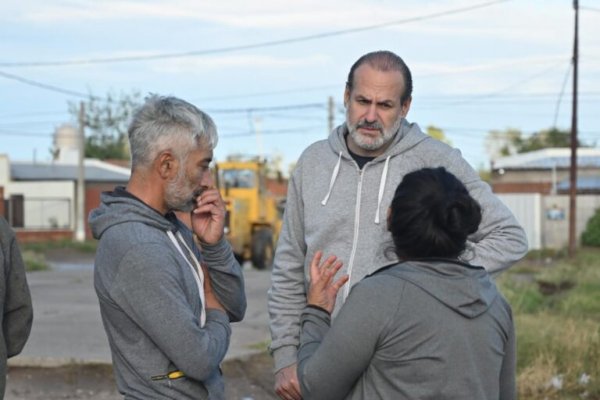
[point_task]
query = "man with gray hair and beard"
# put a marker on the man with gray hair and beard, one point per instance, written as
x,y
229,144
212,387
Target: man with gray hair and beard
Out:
x,y
340,191
165,306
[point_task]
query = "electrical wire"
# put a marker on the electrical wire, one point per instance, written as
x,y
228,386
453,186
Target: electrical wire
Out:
x,y
44,85
562,91
230,49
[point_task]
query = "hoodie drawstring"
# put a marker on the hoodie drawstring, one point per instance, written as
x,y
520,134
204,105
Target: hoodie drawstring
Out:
x,y
197,271
382,188
333,178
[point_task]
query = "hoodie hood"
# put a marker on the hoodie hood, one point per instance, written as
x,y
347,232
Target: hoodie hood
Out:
x,y
119,207
466,289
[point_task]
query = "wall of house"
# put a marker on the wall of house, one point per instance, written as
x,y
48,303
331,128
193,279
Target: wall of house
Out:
x,y
556,229
33,236
2,209
48,193
92,200
47,205
534,181
546,218
4,170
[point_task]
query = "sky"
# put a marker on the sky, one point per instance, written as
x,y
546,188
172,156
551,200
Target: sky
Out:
x,y
265,70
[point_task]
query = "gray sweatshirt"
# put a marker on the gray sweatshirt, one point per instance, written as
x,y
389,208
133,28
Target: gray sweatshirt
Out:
x,y
150,303
417,330
334,206
16,314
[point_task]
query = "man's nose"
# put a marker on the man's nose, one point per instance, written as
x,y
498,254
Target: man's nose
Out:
x,y
371,115
207,179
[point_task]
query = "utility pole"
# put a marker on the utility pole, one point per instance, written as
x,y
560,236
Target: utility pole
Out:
x,y
257,121
330,114
573,169
80,199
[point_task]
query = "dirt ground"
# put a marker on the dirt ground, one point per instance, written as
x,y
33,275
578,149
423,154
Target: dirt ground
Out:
x,y
245,379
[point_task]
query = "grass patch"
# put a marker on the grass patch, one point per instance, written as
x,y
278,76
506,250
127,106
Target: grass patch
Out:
x,y
34,261
558,329
89,246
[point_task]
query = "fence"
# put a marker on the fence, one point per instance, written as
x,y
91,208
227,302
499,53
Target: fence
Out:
x,y
546,218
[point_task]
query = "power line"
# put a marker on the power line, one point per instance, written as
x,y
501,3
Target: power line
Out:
x,y
259,94
258,109
249,46
17,133
589,8
562,91
43,85
498,93
273,132
30,114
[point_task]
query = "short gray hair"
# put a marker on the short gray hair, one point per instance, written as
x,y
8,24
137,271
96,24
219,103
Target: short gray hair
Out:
x,y
168,123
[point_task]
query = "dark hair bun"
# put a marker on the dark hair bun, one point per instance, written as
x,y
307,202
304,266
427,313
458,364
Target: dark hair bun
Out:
x,y
432,215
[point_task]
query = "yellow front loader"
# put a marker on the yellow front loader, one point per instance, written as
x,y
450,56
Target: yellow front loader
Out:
x,y
253,218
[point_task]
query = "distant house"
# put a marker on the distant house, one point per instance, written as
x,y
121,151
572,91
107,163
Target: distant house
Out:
x,y
39,199
535,186
547,171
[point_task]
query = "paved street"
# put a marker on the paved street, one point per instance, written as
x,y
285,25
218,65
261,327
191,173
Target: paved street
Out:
x,y
68,330
67,325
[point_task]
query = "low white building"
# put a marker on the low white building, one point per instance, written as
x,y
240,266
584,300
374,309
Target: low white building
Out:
x,y
40,198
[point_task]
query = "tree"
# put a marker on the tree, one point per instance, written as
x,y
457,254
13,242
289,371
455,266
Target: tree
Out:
x,y
511,141
502,143
552,137
438,133
106,121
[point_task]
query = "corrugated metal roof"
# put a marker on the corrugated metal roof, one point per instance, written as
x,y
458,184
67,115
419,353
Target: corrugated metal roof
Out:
x,y
95,171
550,158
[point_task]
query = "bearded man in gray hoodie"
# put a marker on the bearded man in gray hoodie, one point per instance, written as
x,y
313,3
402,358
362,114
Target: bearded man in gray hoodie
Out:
x,y
339,193
165,306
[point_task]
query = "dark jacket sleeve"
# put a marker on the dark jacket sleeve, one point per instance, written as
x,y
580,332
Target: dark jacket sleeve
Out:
x,y
18,312
330,361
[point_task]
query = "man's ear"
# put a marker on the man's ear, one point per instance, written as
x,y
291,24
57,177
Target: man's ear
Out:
x,y
166,164
389,215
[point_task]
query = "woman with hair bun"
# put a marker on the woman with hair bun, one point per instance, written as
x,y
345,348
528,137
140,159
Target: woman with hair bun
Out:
x,y
429,327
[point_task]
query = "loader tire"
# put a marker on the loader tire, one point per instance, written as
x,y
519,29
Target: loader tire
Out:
x,y
262,249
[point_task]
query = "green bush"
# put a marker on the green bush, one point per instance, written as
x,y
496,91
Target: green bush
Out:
x,y
591,235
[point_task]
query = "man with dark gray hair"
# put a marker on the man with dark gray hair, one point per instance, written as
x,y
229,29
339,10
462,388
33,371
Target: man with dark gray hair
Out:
x,y
340,191
165,306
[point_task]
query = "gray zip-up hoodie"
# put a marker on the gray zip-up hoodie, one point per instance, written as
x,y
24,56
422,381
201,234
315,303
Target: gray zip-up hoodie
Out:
x,y
334,206
432,329
150,302
16,313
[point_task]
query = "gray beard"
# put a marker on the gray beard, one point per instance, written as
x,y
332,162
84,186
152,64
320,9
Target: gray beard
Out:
x,y
374,144
178,196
